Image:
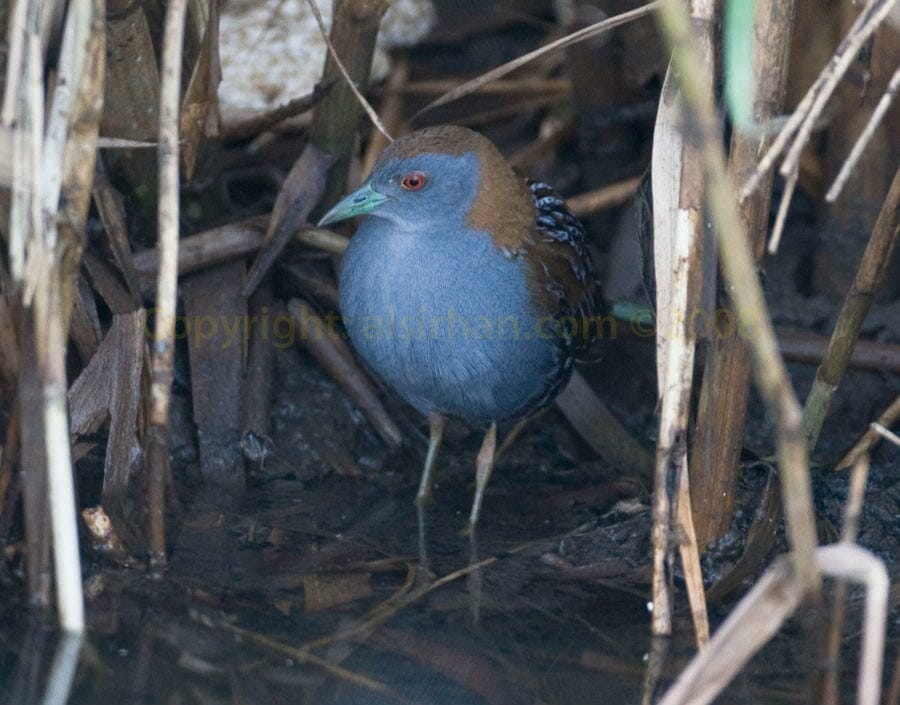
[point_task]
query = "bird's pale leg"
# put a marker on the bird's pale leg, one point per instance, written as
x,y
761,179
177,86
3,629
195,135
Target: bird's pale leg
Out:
x,y
436,424
484,466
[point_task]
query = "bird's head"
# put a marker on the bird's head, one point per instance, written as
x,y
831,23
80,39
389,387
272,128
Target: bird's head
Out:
x,y
442,175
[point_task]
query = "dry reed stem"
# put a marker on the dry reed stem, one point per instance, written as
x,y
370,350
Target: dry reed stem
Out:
x,y
333,354
335,122
322,239
256,124
602,431
865,25
762,611
593,30
787,194
561,86
678,261
366,106
600,199
864,138
45,280
162,371
746,292
869,277
722,412
801,122
886,433
391,115
868,439
60,677
809,348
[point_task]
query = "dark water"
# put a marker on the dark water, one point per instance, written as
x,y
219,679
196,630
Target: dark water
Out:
x,y
320,587
320,595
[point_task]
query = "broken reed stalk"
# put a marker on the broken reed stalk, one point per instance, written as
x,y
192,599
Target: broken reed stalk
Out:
x,y
762,611
722,414
336,119
868,279
678,205
162,371
740,273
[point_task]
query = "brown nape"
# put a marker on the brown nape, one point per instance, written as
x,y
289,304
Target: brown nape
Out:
x,y
503,205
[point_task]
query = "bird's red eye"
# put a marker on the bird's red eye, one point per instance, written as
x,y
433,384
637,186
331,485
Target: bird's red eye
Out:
x,y
414,181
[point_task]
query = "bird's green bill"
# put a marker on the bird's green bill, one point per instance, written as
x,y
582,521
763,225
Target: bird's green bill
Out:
x,y
364,200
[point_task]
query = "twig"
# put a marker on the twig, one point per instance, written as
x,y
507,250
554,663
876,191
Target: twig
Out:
x,y
162,370
254,125
810,348
370,111
386,610
862,142
781,216
561,86
740,273
325,344
391,112
322,239
804,117
593,30
604,197
302,656
869,277
866,24
868,439
886,433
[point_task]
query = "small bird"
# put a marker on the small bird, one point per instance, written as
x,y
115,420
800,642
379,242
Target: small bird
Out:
x,y
467,289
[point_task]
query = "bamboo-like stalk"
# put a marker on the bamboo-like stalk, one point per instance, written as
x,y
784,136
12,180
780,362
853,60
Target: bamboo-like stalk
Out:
x,y
336,120
869,277
740,272
715,457
162,372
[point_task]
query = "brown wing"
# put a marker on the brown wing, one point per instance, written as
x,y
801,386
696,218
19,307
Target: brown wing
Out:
x,y
566,281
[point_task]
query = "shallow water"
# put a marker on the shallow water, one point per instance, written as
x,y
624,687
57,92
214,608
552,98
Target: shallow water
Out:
x,y
322,588
320,596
